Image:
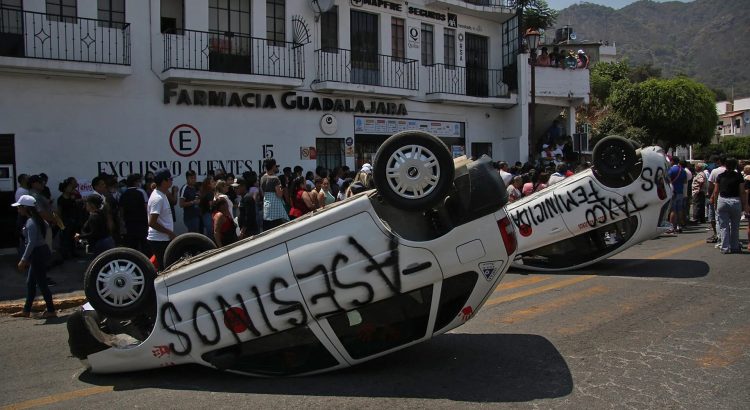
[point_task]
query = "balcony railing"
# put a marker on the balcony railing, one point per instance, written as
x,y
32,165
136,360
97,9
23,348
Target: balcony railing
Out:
x,y
472,82
53,37
233,53
352,67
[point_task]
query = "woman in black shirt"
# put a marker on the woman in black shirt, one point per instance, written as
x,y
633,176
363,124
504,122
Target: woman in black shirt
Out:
x,y
730,200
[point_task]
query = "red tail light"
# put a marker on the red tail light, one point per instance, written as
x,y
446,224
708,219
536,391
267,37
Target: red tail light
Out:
x,y
509,236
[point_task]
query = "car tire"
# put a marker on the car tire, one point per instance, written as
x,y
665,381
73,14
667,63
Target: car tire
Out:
x,y
186,245
413,170
119,283
613,156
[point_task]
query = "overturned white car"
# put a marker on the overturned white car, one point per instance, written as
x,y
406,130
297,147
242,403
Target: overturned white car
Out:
x,y
378,272
622,201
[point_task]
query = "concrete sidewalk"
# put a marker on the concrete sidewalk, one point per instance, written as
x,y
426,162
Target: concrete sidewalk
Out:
x,y
67,293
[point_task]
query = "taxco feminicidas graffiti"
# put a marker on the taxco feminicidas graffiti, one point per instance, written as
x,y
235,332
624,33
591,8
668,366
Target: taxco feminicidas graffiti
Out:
x,y
592,204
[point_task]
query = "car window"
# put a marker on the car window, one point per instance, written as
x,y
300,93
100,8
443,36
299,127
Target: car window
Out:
x,y
384,325
453,296
293,351
582,248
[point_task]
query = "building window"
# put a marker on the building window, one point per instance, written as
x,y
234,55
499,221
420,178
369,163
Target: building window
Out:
x,y
329,30
330,152
172,16
449,47
398,50
428,41
275,20
62,10
111,12
229,16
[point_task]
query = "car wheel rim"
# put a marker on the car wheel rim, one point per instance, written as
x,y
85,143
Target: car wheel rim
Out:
x,y
614,157
120,283
412,172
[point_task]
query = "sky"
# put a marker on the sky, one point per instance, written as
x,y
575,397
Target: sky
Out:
x,y
615,4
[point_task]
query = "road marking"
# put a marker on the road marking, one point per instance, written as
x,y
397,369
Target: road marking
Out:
x,y
521,282
541,289
557,303
677,250
56,398
727,350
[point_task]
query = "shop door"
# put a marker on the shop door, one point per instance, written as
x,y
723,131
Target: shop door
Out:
x,y
7,190
476,65
364,54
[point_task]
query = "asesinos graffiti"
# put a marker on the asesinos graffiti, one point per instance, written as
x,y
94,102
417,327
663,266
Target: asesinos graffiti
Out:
x,y
246,310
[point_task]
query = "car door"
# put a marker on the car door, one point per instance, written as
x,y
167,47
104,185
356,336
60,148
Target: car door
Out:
x,y
246,315
369,291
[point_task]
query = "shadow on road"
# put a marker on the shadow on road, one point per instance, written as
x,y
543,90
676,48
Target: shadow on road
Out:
x,y
647,268
462,367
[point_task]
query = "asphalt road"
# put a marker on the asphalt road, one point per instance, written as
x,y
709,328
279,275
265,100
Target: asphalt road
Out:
x,y
665,324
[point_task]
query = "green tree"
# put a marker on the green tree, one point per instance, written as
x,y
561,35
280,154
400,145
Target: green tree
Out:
x,y
536,14
674,112
614,124
604,75
643,72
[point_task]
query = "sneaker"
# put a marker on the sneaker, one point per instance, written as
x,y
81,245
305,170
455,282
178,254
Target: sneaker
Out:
x,y
712,239
717,246
22,313
678,229
47,314
669,231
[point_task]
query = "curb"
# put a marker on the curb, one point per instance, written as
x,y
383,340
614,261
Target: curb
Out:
x,y
60,304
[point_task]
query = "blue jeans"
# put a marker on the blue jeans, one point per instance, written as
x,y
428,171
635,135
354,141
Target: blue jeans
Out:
x,y
729,211
37,276
193,224
208,225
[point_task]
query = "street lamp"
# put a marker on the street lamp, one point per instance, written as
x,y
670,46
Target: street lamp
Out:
x,y
532,39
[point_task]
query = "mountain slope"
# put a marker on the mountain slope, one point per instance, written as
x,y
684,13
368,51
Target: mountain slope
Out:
x,y
704,39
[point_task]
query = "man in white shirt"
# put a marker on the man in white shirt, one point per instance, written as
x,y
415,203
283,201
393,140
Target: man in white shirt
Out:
x,y
559,175
160,222
22,186
711,185
503,169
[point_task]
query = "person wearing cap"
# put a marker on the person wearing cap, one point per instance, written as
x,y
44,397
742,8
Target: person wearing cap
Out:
x,y
583,60
160,221
36,255
134,208
189,199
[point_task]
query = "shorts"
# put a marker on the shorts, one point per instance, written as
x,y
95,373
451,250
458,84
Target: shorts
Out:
x,y
677,202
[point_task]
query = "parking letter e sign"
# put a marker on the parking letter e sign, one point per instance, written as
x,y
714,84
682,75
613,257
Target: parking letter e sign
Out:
x,y
185,140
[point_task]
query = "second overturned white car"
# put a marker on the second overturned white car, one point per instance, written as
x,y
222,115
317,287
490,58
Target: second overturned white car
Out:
x,y
622,201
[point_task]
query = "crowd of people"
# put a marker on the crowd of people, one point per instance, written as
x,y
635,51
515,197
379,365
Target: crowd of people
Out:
x,y
567,59
717,192
139,211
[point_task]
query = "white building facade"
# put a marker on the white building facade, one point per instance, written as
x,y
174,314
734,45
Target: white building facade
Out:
x,y
130,86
